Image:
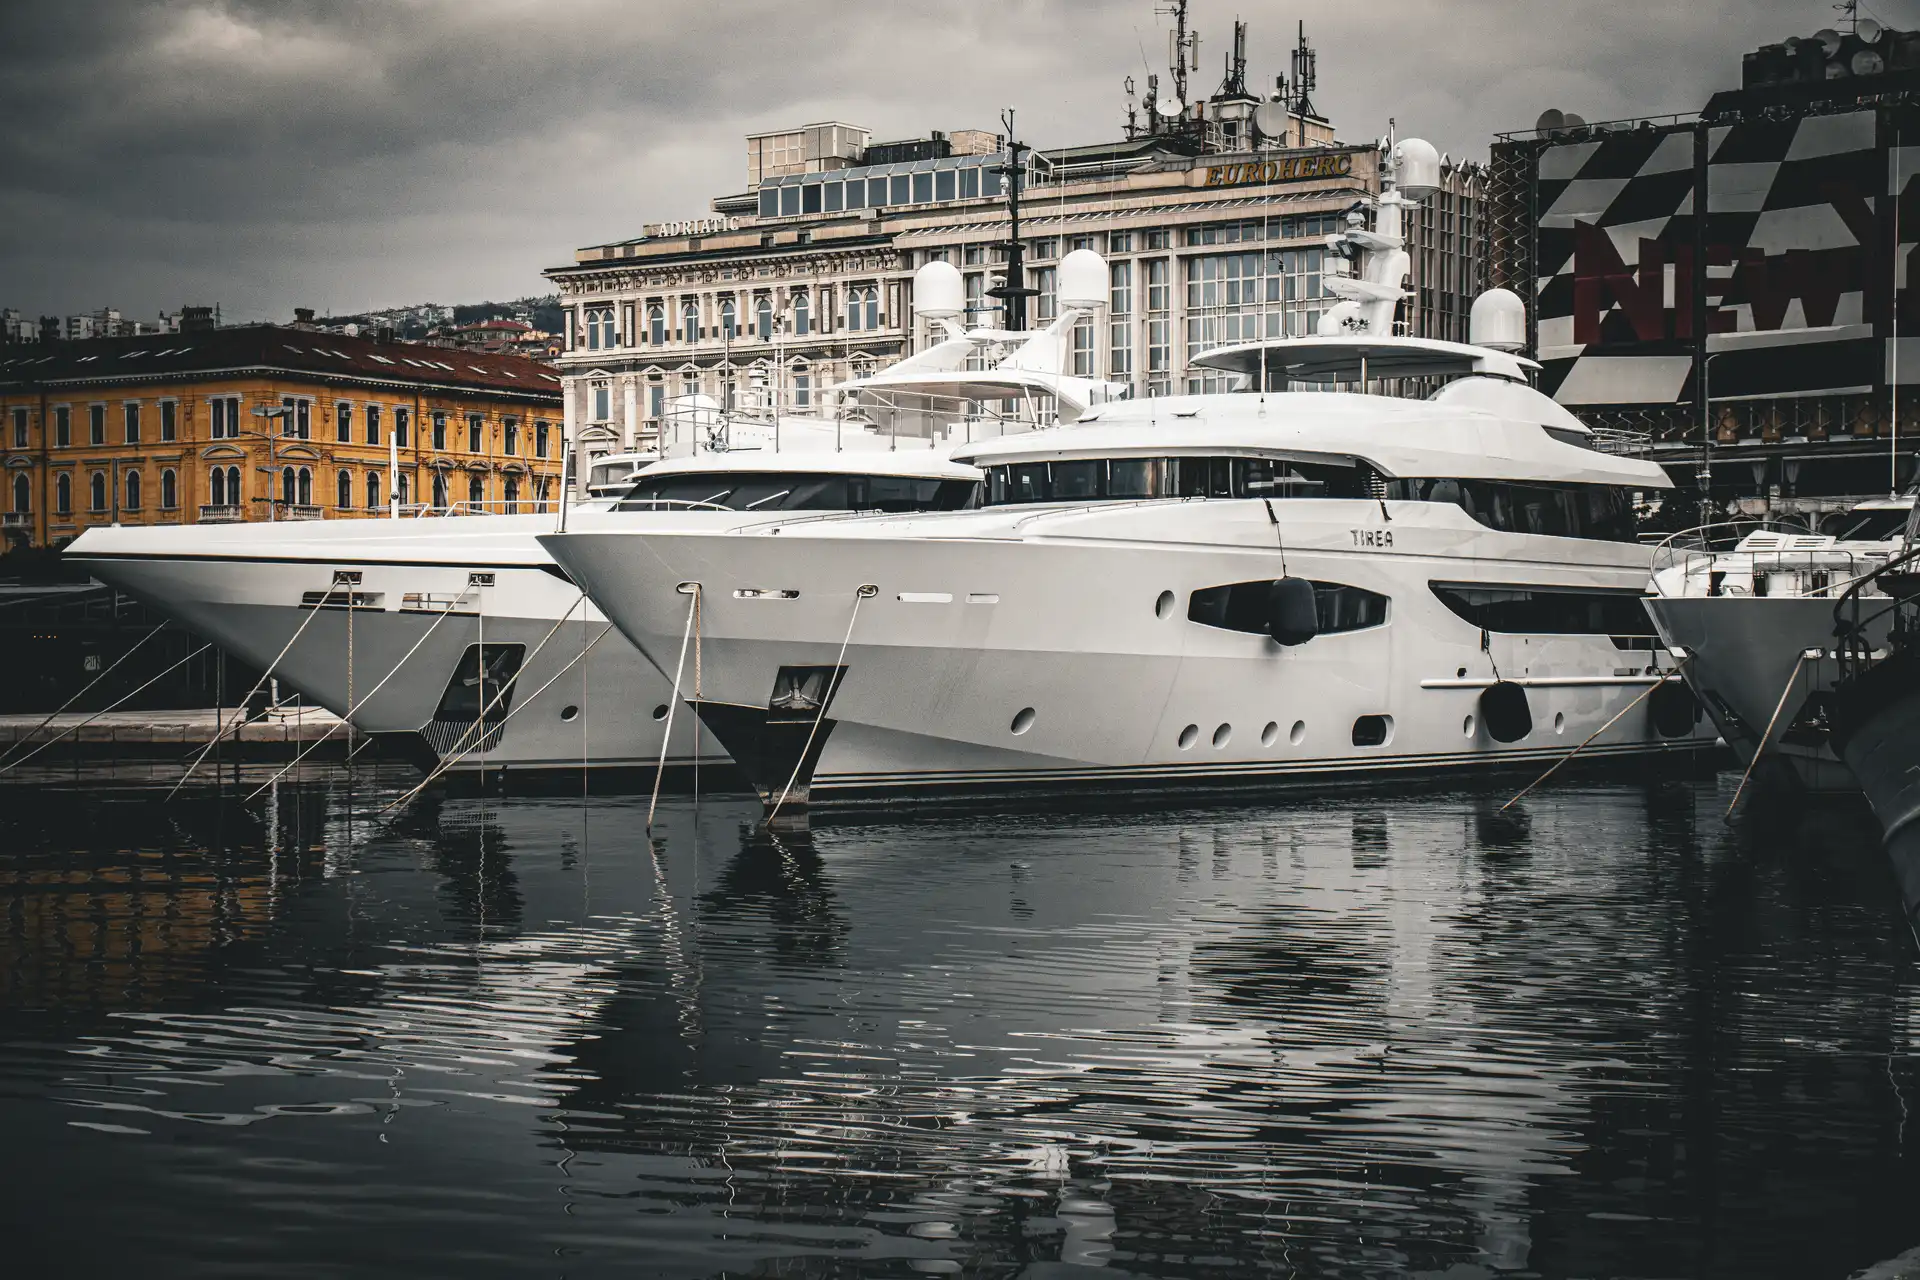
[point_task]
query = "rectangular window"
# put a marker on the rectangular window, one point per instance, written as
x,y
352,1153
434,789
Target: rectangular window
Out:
x,y
1083,349
877,192
133,423
343,423
990,181
970,182
1120,322
373,424
857,193
836,196
789,201
943,184
402,420
475,432
769,202
169,420
802,391
439,429
511,435
1155,239
96,424
539,439
901,188
922,188
19,428
602,402
810,197
62,427
1119,242
1047,305
1159,327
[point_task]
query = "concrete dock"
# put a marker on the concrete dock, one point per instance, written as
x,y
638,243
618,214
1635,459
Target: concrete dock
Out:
x,y
282,730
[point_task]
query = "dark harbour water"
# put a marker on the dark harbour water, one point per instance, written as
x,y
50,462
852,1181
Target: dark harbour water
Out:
x,y
1378,1036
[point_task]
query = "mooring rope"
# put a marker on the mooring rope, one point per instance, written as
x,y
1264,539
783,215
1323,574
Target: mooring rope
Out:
x,y
73,729
826,696
528,701
673,703
257,686
1760,748
1644,695
55,715
354,707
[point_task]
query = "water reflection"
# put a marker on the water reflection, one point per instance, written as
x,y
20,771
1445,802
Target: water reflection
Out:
x,y
1596,1034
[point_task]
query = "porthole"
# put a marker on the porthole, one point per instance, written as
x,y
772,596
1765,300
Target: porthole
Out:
x,y
569,712
1022,721
1467,727
1270,734
1559,722
1163,607
660,712
1189,736
1298,733
1461,674
1372,731
1222,736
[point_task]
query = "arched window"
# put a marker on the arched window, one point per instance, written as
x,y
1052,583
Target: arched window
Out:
x,y
727,326
403,488
656,323
802,313
217,487
133,491
440,489
63,493
512,495
287,486
599,328
99,491
373,490
306,487
169,489
343,489
22,493
477,490
690,321
763,318
234,496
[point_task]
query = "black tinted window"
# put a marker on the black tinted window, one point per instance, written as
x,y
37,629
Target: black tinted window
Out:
x,y
1546,610
799,491
1599,511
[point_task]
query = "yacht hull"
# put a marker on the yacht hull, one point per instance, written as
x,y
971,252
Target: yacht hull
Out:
x,y
1746,664
393,660
1877,733
1054,665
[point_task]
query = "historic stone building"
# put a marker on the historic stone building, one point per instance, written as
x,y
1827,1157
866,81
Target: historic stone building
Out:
x,y
266,423
1214,231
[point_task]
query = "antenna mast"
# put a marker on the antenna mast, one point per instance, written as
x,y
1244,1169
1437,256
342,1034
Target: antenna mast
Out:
x,y
1235,85
1305,81
1013,292
1182,46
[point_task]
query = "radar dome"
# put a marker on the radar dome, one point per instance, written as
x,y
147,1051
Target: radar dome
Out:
x,y
938,292
1083,280
1498,320
1417,168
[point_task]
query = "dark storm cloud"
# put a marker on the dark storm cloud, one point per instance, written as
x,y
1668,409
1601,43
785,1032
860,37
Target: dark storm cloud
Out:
x,y
346,153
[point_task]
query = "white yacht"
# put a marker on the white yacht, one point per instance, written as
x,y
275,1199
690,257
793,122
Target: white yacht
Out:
x,y
1754,617
1198,592
434,626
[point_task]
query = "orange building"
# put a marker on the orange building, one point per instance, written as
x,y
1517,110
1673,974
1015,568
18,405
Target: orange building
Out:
x,y
267,423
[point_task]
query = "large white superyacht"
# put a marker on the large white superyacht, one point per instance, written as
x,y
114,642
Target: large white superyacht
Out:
x,y
1198,592
449,628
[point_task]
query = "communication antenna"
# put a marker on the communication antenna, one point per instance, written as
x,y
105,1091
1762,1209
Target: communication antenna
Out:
x,y
1013,291
1235,83
1152,103
1182,46
1132,127
1850,13
1306,79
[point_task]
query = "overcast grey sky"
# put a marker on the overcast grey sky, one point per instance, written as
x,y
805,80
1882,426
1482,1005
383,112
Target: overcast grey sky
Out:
x,y
342,154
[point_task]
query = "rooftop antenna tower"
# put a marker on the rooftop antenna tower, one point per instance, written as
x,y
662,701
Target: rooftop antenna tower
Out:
x,y
1235,85
1183,47
1013,291
1851,10
1132,125
1305,81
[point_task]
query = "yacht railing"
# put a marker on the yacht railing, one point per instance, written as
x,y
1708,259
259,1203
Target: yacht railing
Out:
x,y
1786,562
1622,443
497,507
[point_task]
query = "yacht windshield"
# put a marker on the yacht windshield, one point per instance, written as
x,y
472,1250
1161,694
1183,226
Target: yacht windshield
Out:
x,y
798,491
1121,479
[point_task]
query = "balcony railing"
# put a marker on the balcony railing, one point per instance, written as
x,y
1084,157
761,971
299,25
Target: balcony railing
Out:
x,y
16,520
293,511
222,513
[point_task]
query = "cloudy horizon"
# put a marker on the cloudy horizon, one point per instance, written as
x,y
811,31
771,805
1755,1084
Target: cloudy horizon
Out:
x,y
352,154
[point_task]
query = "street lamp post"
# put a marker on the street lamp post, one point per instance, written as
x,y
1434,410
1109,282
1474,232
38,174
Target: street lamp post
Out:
x,y
271,412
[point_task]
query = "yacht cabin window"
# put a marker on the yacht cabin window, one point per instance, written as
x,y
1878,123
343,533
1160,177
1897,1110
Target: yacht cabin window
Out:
x,y
799,491
1083,479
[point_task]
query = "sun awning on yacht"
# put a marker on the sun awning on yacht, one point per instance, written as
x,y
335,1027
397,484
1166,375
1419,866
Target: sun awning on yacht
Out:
x,y
1342,358
970,384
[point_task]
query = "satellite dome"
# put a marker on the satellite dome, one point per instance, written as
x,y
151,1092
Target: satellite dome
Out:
x,y
1083,280
1418,172
1498,320
938,292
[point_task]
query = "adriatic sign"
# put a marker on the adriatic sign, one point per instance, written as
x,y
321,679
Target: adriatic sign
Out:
x,y
1293,169
691,227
